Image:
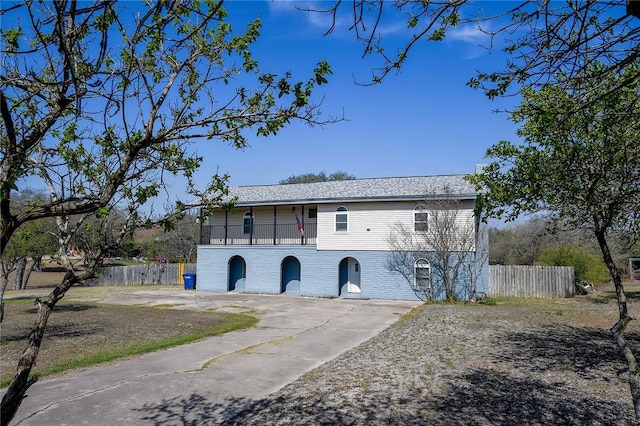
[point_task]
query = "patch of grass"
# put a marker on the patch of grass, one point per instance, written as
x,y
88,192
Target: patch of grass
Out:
x,y
81,334
20,301
489,301
167,305
235,322
412,314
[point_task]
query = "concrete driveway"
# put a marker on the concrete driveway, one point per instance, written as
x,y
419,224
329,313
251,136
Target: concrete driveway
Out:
x,y
211,380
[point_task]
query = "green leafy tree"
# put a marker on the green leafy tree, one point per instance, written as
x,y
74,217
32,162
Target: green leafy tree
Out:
x,y
586,266
581,162
317,177
104,100
101,235
24,253
543,40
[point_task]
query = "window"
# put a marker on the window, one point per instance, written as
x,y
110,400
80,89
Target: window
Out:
x,y
313,213
248,223
422,274
420,218
342,219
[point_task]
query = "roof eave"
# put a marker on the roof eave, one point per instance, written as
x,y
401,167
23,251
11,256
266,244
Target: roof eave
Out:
x,y
346,200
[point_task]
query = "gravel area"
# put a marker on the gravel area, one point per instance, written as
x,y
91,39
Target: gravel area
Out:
x,y
519,362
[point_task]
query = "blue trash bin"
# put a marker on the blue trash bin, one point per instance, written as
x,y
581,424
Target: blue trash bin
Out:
x,y
189,281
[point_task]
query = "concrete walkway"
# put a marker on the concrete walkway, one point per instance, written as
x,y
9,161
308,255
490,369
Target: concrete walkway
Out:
x,y
211,380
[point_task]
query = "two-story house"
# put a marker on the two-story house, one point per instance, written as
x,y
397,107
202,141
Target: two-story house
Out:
x,y
329,239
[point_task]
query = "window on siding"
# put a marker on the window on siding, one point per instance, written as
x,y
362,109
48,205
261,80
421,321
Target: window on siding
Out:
x,y
420,218
342,219
313,213
248,223
422,274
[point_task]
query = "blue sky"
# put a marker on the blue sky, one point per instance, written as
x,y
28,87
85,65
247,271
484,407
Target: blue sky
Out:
x,y
423,121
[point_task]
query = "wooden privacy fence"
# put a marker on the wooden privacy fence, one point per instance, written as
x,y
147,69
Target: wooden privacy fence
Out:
x,y
152,273
531,281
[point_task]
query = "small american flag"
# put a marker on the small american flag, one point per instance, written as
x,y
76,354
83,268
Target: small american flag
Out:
x,y
298,224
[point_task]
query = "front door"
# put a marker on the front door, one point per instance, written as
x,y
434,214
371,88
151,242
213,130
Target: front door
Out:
x,y
349,273
353,281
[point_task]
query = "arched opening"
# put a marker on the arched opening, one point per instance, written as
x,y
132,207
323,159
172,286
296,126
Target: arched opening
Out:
x,y
420,218
237,273
290,275
349,277
247,223
342,219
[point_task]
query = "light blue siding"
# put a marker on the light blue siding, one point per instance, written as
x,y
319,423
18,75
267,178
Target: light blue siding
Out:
x,y
319,272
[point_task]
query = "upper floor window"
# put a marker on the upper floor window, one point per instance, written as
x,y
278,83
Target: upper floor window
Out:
x,y
420,218
248,223
342,219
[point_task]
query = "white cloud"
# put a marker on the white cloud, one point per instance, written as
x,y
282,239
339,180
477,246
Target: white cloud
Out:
x,y
468,33
283,6
306,11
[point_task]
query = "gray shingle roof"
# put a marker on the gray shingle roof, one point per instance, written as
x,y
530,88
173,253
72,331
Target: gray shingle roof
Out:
x,y
358,190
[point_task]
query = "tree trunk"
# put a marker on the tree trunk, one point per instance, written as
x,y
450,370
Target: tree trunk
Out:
x,y
27,275
618,329
5,283
21,383
20,267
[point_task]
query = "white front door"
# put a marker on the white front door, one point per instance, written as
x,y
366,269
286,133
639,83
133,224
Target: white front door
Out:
x,y
353,278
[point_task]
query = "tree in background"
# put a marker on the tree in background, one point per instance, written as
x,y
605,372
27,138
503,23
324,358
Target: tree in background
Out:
x,y
317,177
586,266
24,253
580,161
521,243
105,100
542,241
101,236
545,41
178,244
445,234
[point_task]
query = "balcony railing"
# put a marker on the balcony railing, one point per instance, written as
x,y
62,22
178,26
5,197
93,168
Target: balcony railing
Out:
x,y
279,234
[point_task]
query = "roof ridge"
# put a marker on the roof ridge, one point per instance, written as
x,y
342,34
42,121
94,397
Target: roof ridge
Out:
x,y
354,190
351,180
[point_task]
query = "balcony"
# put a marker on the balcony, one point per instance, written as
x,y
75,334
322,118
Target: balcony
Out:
x,y
279,234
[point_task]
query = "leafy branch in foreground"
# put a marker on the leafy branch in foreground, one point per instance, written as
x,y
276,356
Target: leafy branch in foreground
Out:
x,y
580,163
542,39
105,101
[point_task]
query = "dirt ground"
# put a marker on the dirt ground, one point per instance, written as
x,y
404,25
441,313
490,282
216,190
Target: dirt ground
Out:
x,y
515,362
519,362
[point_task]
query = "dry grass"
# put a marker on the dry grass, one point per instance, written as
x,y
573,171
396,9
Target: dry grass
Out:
x,y
81,331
